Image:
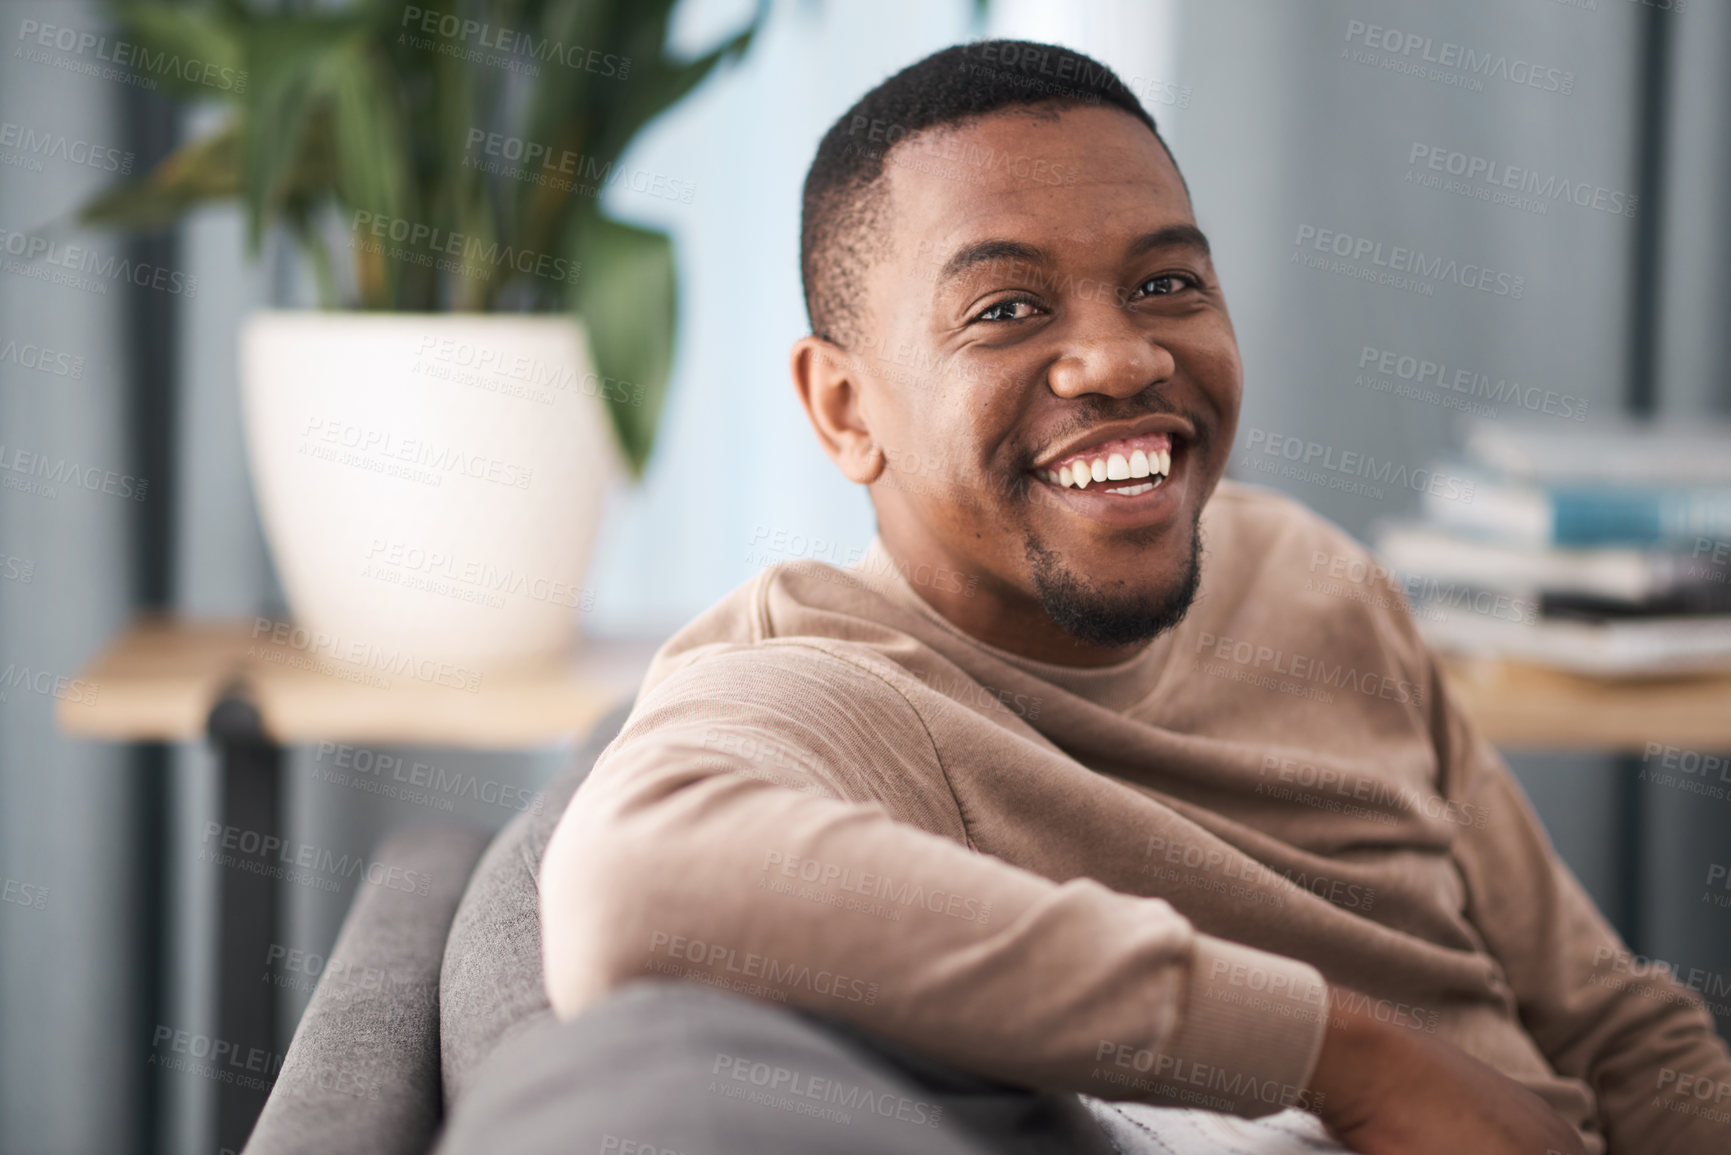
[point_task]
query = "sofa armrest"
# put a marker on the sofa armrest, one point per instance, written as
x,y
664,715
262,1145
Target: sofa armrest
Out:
x,y
491,985
362,1073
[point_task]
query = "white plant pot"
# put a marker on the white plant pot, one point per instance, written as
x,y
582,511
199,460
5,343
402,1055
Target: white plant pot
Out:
x,y
430,484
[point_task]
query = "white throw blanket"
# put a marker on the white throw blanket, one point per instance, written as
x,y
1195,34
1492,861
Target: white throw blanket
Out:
x,y
1142,1129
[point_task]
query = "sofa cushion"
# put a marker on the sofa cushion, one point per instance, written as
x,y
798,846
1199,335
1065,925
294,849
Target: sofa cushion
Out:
x,y
490,985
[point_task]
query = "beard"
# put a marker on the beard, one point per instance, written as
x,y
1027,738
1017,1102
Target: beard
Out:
x,y
1090,614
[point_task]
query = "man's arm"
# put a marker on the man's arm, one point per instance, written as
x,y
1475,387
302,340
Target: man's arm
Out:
x,y
1644,1044
730,836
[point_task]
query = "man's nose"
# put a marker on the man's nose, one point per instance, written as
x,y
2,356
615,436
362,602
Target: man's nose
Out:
x,y
1109,353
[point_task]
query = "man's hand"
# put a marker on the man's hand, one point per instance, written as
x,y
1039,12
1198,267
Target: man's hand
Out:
x,y
1388,1091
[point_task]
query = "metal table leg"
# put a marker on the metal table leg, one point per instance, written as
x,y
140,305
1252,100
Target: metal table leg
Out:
x,y
1631,922
246,1018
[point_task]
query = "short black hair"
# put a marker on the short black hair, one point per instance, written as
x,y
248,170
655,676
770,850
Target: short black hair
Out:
x,y
842,214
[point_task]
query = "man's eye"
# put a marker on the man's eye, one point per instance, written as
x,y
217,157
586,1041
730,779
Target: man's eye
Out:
x,y
1007,310
1166,284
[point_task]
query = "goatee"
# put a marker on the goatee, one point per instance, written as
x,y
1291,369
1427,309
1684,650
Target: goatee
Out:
x,y
1090,614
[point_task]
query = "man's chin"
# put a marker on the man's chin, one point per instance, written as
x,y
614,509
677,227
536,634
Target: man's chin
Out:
x,y
1101,616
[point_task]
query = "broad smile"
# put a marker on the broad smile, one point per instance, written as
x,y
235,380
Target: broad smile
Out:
x,y
1122,459
1124,481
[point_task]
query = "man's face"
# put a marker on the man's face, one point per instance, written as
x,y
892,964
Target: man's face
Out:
x,y
1044,301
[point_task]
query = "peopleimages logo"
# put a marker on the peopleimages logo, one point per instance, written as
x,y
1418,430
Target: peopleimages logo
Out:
x,y
831,876
1307,668
1536,192
41,359
527,160
451,252
33,147
1445,61
61,264
46,683
268,854
1399,266
189,70
497,369
776,976
40,474
329,438
1421,372
510,42
802,1093
1352,465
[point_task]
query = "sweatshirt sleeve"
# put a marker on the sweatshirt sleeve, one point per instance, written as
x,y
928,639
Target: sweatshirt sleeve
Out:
x,y
774,821
1643,1042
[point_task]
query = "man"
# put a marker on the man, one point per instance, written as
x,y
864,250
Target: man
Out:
x,y
1035,797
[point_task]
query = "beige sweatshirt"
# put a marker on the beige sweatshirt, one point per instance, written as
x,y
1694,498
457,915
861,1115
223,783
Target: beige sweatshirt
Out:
x,y
1131,881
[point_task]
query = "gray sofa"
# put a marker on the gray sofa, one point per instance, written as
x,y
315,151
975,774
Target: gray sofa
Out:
x,y
420,988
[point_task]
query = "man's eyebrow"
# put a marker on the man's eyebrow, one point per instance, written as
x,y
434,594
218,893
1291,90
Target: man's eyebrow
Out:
x,y
984,252
1171,237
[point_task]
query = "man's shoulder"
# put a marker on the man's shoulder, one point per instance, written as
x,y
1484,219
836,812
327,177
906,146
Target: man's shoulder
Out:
x,y
1280,574
794,697
801,618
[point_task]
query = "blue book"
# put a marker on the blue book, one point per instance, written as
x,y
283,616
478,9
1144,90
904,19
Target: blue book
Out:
x,y
1681,518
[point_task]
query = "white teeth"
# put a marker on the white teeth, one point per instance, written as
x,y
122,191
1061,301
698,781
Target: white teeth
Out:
x,y
1154,464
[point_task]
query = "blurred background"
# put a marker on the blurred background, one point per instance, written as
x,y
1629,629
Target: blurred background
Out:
x,y
1555,173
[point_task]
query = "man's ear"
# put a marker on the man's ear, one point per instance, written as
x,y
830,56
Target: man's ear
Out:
x,y
828,380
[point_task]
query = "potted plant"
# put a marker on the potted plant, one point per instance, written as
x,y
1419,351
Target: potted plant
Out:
x,y
432,446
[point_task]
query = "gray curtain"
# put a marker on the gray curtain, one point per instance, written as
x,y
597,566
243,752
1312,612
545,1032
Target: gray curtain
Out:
x,y
72,1077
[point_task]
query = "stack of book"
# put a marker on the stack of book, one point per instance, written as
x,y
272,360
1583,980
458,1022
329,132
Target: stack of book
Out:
x,y
1604,552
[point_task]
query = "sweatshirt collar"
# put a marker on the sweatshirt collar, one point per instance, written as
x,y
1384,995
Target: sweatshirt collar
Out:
x,y
1117,686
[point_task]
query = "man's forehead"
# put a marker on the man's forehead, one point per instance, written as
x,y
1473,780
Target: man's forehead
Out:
x,y
1022,177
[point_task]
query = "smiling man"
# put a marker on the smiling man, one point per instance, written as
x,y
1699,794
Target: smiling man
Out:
x,y
1070,819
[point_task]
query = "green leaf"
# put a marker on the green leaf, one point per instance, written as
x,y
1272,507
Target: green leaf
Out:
x,y
368,143
626,296
200,171
192,51
294,62
656,83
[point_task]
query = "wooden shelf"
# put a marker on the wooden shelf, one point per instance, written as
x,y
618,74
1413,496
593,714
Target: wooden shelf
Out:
x,y
159,679
1529,707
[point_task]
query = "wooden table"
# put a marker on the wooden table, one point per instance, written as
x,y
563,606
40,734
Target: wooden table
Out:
x,y
249,687
161,678
1528,707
